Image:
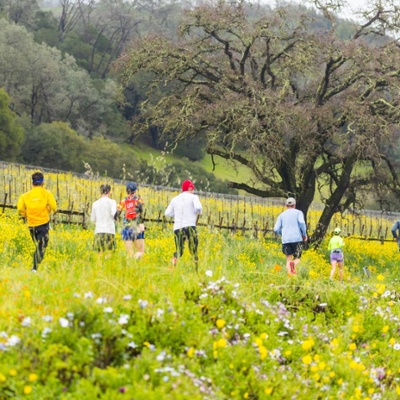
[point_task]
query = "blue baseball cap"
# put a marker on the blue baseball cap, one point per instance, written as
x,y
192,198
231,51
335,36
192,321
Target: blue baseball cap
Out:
x,y
131,187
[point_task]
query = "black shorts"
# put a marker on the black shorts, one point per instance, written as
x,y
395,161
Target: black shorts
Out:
x,y
104,241
293,249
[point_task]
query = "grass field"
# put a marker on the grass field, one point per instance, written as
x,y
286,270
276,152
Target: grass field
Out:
x,y
90,326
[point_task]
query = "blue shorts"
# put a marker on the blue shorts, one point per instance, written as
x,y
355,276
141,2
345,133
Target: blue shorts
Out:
x,y
129,233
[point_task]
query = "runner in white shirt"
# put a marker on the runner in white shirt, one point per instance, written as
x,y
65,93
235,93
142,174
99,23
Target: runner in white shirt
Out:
x,y
184,208
103,212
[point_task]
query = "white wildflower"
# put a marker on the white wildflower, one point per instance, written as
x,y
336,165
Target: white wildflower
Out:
x,y
63,322
123,319
26,321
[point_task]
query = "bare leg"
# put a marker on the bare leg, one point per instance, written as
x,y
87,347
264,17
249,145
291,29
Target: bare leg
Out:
x,y
139,244
290,265
129,248
340,265
333,269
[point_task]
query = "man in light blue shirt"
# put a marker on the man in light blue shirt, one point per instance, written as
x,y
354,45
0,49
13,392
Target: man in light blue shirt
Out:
x,y
395,230
292,227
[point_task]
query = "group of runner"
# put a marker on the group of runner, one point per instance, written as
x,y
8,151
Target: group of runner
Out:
x,y
37,205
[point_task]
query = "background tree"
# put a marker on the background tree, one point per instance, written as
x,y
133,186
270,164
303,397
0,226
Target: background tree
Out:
x,y
47,86
20,11
11,133
72,12
56,145
114,23
301,108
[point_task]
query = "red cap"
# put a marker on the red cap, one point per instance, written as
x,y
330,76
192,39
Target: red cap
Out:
x,y
187,185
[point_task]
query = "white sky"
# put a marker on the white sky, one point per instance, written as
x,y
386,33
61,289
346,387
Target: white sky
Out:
x,y
348,12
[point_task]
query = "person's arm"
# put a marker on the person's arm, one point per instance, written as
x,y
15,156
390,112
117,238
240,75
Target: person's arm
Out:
x,y
51,201
197,205
169,212
93,215
302,226
139,208
395,227
21,207
278,226
113,209
120,207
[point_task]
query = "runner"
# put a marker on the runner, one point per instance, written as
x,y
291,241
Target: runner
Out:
x,y
335,247
36,206
396,233
103,213
185,208
133,228
292,227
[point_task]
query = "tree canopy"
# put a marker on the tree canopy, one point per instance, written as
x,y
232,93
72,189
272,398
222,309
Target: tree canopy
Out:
x,y
47,86
303,109
11,133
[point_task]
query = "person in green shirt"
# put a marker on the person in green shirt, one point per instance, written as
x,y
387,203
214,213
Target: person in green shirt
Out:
x,y
335,247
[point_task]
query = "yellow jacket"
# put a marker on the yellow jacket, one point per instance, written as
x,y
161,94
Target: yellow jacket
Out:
x,y
37,205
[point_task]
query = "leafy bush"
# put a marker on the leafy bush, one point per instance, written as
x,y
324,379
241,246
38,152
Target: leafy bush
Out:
x,y
56,145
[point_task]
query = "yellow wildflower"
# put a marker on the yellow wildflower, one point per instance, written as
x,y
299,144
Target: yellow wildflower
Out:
x,y
268,390
220,323
222,343
308,344
352,346
190,352
27,389
307,359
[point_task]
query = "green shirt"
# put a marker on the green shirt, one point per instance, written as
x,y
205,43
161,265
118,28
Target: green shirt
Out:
x,y
336,242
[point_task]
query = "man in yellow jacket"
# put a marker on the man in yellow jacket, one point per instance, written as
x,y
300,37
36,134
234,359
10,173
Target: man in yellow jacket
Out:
x,y
36,206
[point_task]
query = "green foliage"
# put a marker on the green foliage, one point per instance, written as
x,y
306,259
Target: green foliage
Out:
x,y
56,145
11,133
192,148
53,145
55,89
75,46
106,158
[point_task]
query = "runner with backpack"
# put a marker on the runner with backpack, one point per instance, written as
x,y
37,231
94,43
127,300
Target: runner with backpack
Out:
x,y
133,230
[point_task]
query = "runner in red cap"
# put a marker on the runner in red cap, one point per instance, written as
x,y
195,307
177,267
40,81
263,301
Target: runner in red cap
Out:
x,y
184,208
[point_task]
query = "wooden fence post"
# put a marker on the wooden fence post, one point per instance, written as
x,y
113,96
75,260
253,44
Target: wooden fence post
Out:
x,y
5,201
255,232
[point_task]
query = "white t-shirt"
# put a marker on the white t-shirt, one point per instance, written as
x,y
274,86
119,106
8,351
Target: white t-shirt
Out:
x,y
103,211
184,209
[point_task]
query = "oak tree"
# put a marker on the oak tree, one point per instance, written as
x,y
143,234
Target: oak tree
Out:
x,y
301,108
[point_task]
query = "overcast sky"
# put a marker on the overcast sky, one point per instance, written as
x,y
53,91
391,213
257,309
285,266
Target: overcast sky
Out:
x,y
347,12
